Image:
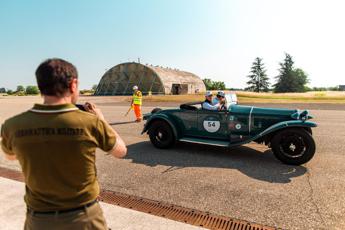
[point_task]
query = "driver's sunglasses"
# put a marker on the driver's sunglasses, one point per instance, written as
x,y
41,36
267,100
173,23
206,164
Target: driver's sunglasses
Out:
x,y
220,96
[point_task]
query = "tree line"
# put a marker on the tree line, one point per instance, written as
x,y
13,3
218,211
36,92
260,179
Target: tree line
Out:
x,y
33,90
21,90
289,79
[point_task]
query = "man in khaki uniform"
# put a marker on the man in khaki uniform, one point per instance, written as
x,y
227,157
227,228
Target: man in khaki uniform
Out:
x,y
55,144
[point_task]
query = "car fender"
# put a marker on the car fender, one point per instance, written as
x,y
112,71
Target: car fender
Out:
x,y
286,124
159,117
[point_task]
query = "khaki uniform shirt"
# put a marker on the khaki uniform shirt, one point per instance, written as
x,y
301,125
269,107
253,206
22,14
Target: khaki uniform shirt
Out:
x,y
55,146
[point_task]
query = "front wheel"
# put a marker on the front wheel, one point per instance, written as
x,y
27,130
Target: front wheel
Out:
x,y
293,146
161,134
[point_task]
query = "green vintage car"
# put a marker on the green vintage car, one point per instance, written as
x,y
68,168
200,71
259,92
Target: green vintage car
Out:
x,y
287,132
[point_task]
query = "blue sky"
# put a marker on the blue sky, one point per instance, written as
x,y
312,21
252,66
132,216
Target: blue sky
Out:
x,y
216,39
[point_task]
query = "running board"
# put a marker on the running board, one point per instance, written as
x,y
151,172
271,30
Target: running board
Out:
x,y
205,142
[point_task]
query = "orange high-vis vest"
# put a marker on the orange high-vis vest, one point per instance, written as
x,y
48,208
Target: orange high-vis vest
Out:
x,y
137,98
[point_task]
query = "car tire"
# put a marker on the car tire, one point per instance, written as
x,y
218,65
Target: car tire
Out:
x,y
293,146
161,134
155,110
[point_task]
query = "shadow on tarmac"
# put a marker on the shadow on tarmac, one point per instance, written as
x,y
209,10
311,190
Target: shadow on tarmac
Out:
x,y
253,163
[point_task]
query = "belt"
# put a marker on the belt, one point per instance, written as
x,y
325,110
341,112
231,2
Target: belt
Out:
x,y
33,212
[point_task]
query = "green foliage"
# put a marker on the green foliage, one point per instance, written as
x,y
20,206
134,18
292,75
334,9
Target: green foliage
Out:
x,y
2,90
214,85
9,92
94,87
32,90
290,79
218,85
208,83
258,78
20,88
333,88
20,93
86,92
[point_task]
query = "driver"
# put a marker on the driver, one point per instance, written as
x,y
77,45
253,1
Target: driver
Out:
x,y
208,103
220,99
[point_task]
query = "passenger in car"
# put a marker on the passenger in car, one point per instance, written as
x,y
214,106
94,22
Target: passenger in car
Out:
x,y
221,100
208,103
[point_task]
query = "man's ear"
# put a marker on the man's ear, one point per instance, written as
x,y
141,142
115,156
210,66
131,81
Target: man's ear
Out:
x,y
74,85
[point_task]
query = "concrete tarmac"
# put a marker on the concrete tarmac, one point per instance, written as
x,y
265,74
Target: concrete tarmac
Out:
x,y
246,182
13,209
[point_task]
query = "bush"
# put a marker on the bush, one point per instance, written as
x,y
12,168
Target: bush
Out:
x,y
32,90
86,92
20,88
214,85
9,92
20,93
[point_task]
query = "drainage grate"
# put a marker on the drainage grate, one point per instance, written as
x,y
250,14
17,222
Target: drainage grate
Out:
x,y
177,213
157,208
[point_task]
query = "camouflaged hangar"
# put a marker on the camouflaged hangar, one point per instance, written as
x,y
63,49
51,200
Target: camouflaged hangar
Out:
x,y
120,80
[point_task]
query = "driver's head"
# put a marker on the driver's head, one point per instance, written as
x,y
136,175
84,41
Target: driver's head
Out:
x,y
208,95
58,78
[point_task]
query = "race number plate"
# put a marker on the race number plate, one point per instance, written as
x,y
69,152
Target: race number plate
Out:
x,y
211,125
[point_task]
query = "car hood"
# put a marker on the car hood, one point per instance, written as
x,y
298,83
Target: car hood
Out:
x,y
258,111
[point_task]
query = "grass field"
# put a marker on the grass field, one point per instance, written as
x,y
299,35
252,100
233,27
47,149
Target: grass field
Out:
x,y
250,97
243,97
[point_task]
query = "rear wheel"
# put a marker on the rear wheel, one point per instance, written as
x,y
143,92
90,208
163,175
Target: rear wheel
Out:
x,y
293,146
161,134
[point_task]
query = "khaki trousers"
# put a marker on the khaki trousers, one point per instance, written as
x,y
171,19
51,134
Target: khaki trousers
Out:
x,y
88,218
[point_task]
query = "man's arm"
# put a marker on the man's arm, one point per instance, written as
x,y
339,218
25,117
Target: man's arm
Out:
x,y
8,154
120,149
208,106
5,145
10,157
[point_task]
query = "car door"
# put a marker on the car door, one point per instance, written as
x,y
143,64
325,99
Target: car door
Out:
x,y
239,123
186,121
213,124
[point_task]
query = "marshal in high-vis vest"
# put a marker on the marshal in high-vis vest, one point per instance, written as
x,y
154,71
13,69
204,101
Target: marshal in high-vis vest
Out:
x,y
136,103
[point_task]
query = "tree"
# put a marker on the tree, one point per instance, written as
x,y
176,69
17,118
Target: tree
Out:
x,y
258,78
9,92
33,90
213,85
218,85
2,90
208,83
300,80
94,87
290,79
20,88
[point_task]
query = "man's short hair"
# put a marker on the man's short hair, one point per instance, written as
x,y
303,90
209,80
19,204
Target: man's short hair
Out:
x,y
54,76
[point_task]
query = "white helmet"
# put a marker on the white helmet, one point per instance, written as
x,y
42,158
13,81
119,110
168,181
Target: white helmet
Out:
x,y
208,93
135,87
221,93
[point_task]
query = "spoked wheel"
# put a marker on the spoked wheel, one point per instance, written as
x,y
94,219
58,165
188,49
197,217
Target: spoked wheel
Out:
x,y
293,146
161,135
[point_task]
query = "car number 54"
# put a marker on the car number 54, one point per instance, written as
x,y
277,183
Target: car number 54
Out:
x,y
211,126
